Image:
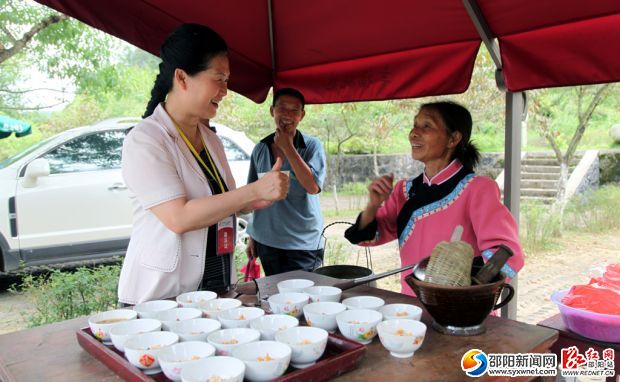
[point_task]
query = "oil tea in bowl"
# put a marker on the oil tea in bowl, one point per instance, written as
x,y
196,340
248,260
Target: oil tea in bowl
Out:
x,y
264,360
192,299
323,314
307,344
212,308
294,285
269,325
142,350
211,369
226,340
101,323
401,311
121,332
290,303
175,358
359,324
197,329
323,293
401,337
239,317
169,317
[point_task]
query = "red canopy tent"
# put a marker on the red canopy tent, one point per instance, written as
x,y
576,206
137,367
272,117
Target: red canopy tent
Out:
x,y
360,50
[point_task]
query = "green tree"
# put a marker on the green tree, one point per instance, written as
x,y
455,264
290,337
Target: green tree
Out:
x,y
34,37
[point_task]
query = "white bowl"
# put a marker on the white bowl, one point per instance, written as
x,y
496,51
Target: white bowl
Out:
x,y
175,358
226,340
401,337
169,317
212,308
121,332
142,349
150,308
192,299
294,285
224,369
270,324
323,293
307,344
101,323
363,302
290,303
359,324
323,314
196,329
401,311
264,360
239,317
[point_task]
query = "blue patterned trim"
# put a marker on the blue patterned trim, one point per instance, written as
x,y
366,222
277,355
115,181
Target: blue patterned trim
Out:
x,y
408,185
434,207
506,269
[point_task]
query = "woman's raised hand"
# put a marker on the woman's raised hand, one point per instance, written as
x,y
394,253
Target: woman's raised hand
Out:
x,y
274,184
380,189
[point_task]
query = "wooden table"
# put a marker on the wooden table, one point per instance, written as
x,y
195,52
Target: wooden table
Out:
x,y
51,352
568,338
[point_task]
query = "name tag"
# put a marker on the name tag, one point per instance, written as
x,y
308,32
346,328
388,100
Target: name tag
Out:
x,y
226,236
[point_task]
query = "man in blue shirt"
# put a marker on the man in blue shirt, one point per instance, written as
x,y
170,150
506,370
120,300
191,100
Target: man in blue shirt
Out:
x,y
286,235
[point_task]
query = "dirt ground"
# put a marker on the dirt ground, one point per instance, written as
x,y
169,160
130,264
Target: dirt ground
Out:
x,y
579,257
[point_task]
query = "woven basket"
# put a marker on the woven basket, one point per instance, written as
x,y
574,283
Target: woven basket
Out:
x,y
450,264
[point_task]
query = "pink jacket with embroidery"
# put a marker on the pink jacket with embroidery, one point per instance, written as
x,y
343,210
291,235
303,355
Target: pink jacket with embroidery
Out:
x,y
474,204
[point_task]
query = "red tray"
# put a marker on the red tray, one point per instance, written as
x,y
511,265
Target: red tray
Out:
x,y
341,355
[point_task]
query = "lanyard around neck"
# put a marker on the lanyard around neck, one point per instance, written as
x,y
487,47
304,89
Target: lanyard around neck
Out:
x,y
214,174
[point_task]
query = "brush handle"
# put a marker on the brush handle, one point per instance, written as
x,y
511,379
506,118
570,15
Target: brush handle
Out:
x,y
363,280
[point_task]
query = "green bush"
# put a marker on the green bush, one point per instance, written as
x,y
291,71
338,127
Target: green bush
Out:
x,y
62,295
594,211
538,226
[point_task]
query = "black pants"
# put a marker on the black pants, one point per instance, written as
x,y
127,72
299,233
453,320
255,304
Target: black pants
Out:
x,y
276,260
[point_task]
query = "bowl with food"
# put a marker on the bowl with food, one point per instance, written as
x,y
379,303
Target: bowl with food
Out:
x,y
121,332
214,369
226,340
192,299
401,337
264,360
359,324
401,311
294,285
323,293
239,317
197,329
169,317
149,309
212,308
175,358
307,344
363,302
290,303
142,350
101,323
268,325
323,314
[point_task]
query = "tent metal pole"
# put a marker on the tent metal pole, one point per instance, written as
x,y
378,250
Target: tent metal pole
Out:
x,y
271,42
515,105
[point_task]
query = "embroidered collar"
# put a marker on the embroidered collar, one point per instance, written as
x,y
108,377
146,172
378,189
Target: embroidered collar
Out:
x,y
443,175
298,140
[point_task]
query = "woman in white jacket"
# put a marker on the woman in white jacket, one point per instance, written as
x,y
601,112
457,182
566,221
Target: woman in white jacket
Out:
x,y
174,165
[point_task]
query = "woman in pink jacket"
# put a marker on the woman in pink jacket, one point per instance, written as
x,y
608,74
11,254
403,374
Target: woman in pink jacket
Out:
x,y
422,211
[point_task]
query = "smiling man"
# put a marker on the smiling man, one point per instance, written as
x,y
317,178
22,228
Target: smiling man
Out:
x,y
286,235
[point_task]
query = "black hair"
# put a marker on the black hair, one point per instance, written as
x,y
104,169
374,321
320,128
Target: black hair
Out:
x,y
191,47
458,118
289,92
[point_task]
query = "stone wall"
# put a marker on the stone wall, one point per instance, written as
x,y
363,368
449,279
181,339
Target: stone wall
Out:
x,y
361,168
609,161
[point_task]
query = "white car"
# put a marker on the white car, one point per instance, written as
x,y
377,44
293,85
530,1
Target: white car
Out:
x,y
64,199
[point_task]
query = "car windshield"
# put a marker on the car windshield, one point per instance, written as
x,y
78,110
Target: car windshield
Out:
x,y
9,161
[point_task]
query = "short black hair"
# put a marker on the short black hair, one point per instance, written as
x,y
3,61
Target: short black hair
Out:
x,y
289,92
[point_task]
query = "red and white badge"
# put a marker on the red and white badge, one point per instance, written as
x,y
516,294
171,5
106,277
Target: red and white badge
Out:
x,y
226,236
